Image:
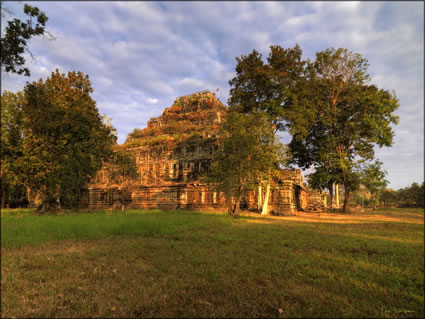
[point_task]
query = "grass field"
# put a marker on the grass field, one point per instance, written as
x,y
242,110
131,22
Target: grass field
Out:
x,y
192,264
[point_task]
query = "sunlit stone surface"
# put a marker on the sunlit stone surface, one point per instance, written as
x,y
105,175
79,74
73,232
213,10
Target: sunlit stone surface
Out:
x,y
172,154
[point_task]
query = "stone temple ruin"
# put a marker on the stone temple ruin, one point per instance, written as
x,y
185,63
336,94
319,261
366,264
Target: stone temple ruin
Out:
x,y
173,152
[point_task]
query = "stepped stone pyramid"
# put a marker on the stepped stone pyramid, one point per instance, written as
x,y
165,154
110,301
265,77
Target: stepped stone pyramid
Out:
x,y
172,153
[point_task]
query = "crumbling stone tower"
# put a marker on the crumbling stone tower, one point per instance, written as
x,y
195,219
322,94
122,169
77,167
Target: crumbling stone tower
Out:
x,y
172,153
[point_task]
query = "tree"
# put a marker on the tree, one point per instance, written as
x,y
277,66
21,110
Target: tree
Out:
x,y
311,152
121,170
65,140
388,197
337,118
266,87
245,156
373,178
420,195
11,143
16,36
411,196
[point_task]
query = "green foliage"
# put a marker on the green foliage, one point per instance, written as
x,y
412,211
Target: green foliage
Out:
x,y
138,133
11,147
179,127
411,196
15,40
388,197
122,168
336,118
247,153
321,178
266,87
65,138
373,178
195,136
187,123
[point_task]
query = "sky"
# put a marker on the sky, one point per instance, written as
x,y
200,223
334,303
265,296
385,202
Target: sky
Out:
x,y
140,56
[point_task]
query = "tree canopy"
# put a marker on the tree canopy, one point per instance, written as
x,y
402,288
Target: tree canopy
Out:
x,y
338,118
14,42
65,139
11,143
373,178
245,156
266,87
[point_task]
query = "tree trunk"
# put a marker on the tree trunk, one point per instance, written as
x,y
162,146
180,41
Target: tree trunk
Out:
x,y
3,198
3,190
331,194
260,198
48,206
50,203
346,198
123,201
238,198
265,210
236,207
30,203
229,204
336,196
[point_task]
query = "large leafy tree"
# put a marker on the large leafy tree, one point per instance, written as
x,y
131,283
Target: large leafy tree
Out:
x,y
314,151
16,36
245,156
65,139
267,87
338,118
11,143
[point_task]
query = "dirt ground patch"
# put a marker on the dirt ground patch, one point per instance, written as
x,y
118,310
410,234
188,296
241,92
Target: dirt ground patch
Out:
x,y
364,216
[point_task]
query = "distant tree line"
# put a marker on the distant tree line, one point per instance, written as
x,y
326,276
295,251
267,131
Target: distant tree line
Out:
x,y
412,196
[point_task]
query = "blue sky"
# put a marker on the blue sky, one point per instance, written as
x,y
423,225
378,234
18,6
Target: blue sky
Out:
x,y
140,56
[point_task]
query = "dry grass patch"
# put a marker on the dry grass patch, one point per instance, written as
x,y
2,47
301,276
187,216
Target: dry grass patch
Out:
x,y
360,216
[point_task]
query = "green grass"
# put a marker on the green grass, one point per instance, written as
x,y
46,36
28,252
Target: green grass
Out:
x,y
21,228
192,264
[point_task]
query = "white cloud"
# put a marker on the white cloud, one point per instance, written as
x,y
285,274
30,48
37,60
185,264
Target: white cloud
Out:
x,y
152,101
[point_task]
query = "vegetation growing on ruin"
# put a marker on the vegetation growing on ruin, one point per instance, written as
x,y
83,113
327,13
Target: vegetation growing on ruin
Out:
x,y
188,119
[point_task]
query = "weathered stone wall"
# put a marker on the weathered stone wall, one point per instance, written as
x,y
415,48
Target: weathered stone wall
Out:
x,y
164,197
316,201
170,171
185,196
